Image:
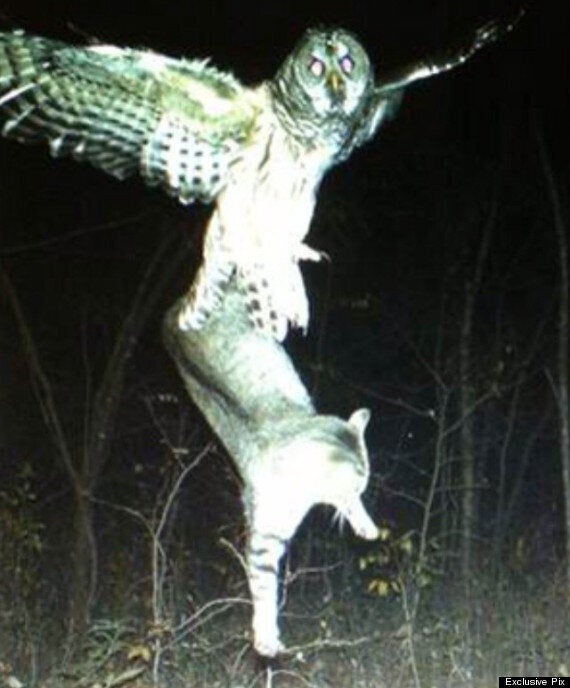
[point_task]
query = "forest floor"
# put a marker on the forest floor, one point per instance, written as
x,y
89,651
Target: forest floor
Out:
x,y
514,624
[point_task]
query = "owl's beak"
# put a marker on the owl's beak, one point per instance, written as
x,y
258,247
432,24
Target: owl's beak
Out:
x,y
335,87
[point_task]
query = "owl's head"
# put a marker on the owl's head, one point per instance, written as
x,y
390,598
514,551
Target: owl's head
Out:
x,y
326,77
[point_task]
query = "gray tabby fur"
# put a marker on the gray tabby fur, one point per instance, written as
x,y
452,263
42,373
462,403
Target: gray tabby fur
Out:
x,y
289,457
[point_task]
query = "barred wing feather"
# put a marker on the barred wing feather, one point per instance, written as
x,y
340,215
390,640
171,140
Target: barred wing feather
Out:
x,y
180,124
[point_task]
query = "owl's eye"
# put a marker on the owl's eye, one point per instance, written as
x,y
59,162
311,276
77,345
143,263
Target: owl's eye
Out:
x,y
346,64
316,67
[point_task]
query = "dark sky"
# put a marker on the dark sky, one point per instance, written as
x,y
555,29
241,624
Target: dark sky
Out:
x,y
528,70
253,37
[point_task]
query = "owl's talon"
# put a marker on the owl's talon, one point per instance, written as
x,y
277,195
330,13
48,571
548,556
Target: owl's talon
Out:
x,y
305,252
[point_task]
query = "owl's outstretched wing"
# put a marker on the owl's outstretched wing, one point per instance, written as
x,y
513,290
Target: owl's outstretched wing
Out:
x,y
180,124
451,58
389,90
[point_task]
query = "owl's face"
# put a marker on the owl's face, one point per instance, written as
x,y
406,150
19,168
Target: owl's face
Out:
x,y
327,74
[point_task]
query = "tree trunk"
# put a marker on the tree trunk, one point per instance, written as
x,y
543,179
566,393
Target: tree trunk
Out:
x,y
468,398
561,383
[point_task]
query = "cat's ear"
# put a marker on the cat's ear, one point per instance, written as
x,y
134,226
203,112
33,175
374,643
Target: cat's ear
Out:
x,y
359,420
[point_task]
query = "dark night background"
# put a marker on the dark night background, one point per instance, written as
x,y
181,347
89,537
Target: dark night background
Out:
x,y
402,221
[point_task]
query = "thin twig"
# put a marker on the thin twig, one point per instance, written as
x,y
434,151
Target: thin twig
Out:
x,y
103,227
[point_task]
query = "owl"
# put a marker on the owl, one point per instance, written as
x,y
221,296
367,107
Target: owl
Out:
x,y
258,154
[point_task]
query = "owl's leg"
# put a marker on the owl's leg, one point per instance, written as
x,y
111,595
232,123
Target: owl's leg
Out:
x,y
297,298
276,297
262,311
205,295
